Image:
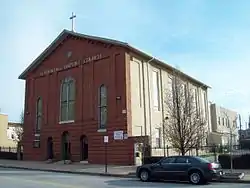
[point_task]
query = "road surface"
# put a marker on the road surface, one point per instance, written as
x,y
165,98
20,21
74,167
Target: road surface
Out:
x,y
29,179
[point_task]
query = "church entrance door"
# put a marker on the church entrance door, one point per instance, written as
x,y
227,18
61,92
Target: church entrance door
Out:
x,y
84,148
65,146
50,148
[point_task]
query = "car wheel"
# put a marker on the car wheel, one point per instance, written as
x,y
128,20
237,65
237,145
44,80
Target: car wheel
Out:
x,y
195,177
144,175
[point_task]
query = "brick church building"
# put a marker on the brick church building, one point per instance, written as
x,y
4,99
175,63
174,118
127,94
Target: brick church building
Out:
x,y
79,90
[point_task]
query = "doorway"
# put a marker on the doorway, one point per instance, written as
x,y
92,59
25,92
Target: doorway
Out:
x,y
50,152
65,151
84,148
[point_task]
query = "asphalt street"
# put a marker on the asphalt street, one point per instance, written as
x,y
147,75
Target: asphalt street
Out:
x,y
29,179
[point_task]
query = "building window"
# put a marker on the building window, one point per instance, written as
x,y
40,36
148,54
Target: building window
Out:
x,y
67,100
223,121
219,120
156,94
202,101
205,104
158,138
195,100
170,91
39,113
103,107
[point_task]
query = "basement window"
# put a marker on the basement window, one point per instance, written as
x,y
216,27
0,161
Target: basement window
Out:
x,y
36,142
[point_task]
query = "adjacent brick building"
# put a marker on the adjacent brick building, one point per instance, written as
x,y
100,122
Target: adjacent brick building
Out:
x,y
82,88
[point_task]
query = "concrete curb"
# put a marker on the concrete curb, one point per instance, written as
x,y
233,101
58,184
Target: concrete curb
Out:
x,y
233,181
129,175
67,171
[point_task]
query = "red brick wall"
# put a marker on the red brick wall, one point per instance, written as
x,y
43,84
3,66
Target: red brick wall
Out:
x,y
110,71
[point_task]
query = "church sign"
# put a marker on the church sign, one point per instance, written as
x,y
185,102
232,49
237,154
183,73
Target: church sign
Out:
x,y
73,64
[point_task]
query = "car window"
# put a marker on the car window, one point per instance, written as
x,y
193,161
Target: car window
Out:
x,y
168,160
181,160
191,160
202,160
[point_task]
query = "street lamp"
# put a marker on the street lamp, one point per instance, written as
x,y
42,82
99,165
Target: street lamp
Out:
x,y
231,140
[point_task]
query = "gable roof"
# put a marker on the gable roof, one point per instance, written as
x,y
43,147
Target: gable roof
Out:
x,y
12,124
65,33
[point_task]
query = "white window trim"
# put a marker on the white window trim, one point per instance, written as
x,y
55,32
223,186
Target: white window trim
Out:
x,y
65,122
101,130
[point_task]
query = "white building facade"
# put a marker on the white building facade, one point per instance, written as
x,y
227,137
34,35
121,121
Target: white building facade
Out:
x,y
224,125
149,81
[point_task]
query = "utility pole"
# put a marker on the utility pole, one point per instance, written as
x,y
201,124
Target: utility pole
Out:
x,y
240,130
249,122
231,148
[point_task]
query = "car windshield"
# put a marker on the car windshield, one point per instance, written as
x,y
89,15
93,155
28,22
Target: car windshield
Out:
x,y
202,160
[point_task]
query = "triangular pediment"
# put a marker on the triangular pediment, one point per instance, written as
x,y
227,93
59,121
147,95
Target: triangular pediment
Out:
x,y
60,38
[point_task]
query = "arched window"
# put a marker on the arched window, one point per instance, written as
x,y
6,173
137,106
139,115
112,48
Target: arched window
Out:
x,y
103,107
39,113
67,100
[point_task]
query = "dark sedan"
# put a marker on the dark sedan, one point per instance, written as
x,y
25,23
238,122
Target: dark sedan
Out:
x,y
196,170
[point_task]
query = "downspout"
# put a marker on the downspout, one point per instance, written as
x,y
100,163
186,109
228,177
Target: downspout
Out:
x,y
149,100
144,100
163,118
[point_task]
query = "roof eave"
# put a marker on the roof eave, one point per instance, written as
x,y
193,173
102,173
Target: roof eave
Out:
x,y
41,56
115,42
168,66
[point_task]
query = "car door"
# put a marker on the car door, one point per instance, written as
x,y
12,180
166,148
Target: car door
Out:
x,y
166,168
181,166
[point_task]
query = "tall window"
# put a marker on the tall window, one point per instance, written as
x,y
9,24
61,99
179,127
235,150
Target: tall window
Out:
x,y
170,89
205,104
103,107
195,100
39,112
156,96
158,138
203,107
67,100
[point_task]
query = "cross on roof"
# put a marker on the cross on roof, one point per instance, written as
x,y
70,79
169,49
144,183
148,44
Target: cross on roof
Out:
x,y
72,21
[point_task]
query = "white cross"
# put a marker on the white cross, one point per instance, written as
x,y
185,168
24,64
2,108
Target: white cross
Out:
x,y
72,21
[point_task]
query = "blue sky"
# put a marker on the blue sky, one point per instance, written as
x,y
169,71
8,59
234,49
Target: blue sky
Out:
x,y
207,39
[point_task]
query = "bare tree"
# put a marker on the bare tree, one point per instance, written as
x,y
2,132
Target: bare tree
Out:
x,y
18,131
185,126
232,129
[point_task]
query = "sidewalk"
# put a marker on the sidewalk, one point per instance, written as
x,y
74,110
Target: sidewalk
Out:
x,y
90,169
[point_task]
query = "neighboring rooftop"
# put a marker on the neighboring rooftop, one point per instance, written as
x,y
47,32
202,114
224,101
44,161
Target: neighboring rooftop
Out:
x,y
12,124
